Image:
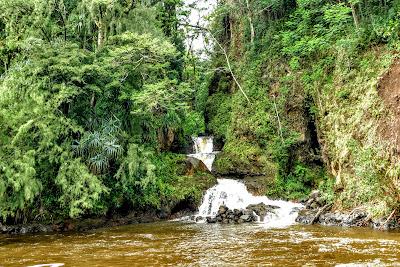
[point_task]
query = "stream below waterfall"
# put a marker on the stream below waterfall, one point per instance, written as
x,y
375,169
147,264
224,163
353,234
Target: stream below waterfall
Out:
x,y
183,244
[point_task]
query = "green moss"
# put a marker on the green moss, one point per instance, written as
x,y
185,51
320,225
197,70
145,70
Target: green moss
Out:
x,y
298,183
244,157
219,114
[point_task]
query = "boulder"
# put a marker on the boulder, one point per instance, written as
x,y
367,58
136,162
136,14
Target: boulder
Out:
x,y
245,217
315,201
257,185
222,209
211,219
226,215
165,138
294,210
193,165
315,194
262,209
305,216
237,212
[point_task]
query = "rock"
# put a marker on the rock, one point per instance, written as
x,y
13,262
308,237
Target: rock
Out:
x,y
199,218
163,214
306,216
315,194
309,202
295,209
262,209
165,138
355,218
248,212
245,218
320,201
194,164
226,215
44,228
314,205
237,212
331,218
222,209
211,219
257,184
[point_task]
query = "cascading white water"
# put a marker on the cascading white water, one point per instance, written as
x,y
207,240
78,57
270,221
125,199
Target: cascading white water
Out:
x,y
203,146
234,195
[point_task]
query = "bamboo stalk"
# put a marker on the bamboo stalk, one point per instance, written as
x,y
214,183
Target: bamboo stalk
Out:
x,y
279,120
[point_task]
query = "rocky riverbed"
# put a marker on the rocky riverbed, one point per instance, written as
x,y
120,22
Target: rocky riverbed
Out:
x,y
82,225
252,213
316,211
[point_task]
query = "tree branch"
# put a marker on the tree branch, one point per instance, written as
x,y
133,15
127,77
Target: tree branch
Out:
x,y
223,51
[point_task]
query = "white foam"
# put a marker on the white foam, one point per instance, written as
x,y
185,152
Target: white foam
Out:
x,y
234,195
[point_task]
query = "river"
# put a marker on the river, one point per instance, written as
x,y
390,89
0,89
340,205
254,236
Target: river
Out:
x,y
184,244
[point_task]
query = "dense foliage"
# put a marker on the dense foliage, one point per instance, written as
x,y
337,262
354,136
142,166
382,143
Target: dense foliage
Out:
x,y
91,98
310,69
98,99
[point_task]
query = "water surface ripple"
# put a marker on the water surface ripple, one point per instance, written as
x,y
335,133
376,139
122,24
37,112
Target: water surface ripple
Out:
x,y
189,244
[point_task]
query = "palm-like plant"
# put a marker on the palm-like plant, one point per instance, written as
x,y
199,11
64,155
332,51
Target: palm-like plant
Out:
x,y
99,146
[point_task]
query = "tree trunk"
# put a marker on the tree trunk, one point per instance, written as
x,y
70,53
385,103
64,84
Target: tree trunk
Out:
x,y
101,27
100,35
249,14
355,17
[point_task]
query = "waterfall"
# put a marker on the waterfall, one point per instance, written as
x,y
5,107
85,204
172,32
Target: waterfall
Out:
x,y
203,147
234,195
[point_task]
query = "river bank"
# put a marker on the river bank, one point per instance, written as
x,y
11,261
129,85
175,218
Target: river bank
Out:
x,y
228,198
88,224
354,219
316,211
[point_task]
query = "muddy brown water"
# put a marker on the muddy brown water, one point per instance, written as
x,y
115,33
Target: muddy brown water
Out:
x,y
188,244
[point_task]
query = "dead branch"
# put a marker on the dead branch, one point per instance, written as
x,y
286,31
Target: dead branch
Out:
x,y
225,55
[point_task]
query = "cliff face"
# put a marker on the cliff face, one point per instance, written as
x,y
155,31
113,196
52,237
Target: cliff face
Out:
x,y
357,150
327,121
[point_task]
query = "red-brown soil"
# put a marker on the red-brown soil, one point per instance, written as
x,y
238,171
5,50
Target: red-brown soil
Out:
x,y
389,91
